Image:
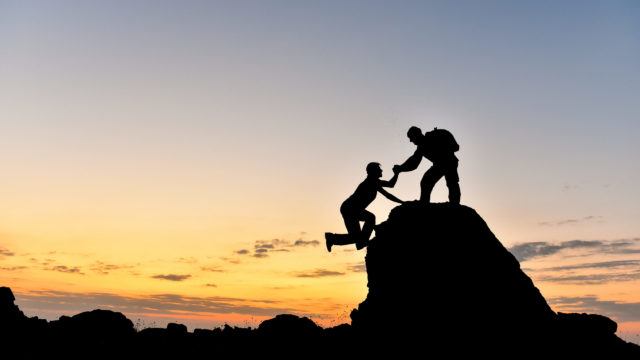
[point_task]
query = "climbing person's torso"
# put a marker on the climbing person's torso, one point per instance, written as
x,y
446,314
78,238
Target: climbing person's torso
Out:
x,y
364,195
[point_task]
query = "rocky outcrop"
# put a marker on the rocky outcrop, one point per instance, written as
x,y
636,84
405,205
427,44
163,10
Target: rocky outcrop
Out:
x,y
439,278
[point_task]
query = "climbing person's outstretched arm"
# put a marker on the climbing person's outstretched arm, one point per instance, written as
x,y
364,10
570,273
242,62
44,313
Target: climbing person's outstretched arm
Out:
x,y
389,196
410,164
391,182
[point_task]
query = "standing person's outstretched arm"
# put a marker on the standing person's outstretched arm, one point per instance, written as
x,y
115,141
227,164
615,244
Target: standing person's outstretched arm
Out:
x,y
410,164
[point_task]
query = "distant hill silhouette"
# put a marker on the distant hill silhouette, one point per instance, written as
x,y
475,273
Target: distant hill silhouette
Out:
x,y
440,284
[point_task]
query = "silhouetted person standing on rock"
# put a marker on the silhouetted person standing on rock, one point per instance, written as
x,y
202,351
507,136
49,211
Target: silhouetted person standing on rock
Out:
x,y
439,147
354,209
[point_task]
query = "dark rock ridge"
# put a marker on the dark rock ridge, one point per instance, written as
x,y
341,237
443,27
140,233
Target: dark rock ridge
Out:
x,y
439,278
440,285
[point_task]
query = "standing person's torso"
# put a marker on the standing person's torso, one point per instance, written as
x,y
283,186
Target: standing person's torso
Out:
x,y
433,153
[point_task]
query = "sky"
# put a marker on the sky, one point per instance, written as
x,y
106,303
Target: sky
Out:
x,y
181,161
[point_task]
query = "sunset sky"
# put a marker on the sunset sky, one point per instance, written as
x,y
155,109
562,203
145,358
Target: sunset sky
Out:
x,y
181,161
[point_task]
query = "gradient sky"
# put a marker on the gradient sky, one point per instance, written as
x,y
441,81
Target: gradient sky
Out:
x,y
180,161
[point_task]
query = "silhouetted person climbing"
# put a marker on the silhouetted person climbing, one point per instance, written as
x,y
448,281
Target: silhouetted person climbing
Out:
x,y
439,147
354,209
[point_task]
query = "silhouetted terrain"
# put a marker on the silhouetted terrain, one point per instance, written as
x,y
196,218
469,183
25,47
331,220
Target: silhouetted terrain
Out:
x,y
439,281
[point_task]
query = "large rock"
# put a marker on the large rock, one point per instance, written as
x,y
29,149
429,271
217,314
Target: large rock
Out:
x,y
439,278
288,325
95,324
9,311
14,324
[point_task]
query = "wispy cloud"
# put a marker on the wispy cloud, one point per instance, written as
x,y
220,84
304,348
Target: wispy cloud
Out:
x,y
262,248
359,267
187,260
65,269
12,268
593,265
212,268
153,304
620,311
230,260
171,277
527,251
318,273
301,242
589,218
569,187
591,279
605,272
5,252
105,268
211,285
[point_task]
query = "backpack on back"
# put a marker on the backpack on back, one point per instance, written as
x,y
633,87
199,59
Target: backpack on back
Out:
x,y
441,140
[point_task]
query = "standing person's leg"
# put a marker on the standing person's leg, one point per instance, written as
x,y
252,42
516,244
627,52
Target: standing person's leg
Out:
x,y
453,182
428,181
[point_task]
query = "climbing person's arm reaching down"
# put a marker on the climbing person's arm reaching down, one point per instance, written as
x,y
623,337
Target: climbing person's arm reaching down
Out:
x,y
389,196
391,182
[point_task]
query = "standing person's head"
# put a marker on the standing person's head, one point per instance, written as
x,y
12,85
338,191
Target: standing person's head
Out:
x,y
414,134
374,170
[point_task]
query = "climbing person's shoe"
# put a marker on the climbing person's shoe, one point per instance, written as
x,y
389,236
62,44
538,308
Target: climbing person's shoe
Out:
x,y
329,241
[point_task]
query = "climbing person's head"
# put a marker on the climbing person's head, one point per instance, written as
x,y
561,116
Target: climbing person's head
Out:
x,y
373,169
414,134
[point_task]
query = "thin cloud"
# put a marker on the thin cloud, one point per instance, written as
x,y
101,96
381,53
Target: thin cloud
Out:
x,y
591,279
569,187
264,246
177,305
230,260
5,252
527,251
171,277
211,285
301,242
319,273
620,311
359,267
105,268
572,221
212,268
261,248
594,265
65,269
187,260
12,268
288,287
